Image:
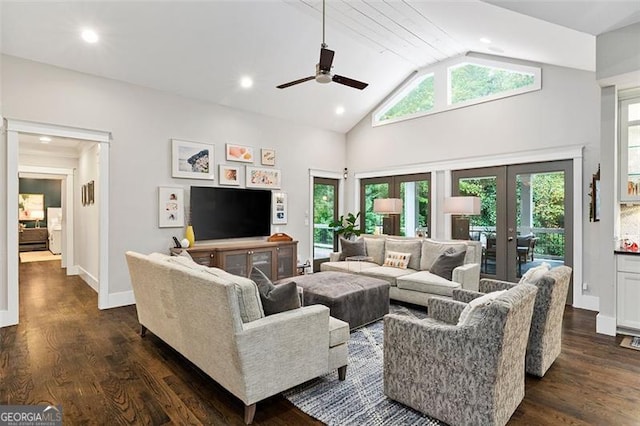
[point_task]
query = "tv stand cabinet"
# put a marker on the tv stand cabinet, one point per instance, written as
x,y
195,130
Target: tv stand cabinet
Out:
x,y
276,259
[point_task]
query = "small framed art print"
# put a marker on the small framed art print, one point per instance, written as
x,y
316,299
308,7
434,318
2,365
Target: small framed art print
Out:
x,y
170,207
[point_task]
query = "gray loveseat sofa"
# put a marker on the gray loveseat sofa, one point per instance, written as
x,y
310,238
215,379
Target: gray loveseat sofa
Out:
x,y
213,319
416,284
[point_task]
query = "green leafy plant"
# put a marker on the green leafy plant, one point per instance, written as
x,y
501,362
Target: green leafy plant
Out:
x,y
347,226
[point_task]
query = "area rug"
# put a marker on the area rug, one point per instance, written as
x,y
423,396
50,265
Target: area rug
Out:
x,y
38,256
630,342
360,399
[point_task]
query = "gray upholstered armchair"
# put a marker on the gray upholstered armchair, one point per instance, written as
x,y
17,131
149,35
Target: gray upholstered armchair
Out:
x,y
545,338
461,374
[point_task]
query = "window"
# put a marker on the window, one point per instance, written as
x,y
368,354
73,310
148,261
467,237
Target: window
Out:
x,y
469,82
456,83
416,98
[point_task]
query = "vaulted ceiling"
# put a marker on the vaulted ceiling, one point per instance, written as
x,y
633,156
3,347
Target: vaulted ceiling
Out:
x,y
202,49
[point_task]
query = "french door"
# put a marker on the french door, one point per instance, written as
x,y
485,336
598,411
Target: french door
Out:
x,y
526,215
415,192
325,211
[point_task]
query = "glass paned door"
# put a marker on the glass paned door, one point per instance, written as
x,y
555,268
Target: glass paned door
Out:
x,y
371,190
325,211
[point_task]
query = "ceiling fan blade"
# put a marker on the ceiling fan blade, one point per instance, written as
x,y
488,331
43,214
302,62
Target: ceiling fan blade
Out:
x,y
293,83
349,82
326,59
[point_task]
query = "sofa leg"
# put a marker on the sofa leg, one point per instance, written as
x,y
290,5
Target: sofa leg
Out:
x,y
342,373
249,412
143,330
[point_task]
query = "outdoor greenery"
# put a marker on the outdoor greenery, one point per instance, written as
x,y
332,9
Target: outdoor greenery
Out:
x,y
547,200
381,190
471,81
323,206
417,100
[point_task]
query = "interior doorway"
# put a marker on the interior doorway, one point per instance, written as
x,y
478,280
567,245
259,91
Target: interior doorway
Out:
x,y
526,216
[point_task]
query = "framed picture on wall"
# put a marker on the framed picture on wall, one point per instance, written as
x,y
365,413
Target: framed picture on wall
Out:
x,y
30,206
279,207
229,175
170,207
90,192
192,160
240,153
259,177
268,157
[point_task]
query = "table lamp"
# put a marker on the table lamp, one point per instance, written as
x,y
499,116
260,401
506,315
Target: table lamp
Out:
x,y
37,215
386,207
461,207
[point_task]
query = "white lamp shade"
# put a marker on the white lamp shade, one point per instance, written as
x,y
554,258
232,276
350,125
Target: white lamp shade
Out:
x,y
462,205
387,205
37,214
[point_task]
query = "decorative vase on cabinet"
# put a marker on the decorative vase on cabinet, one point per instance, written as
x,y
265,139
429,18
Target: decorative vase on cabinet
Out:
x,y
189,235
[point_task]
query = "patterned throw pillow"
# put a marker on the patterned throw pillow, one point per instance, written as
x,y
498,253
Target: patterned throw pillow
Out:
x,y
352,248
397,260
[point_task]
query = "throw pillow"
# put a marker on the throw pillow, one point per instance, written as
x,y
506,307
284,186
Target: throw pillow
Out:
x,y
352,248
471,310
447,262
534,274
375,249
411,246
431,250
275,298
397,260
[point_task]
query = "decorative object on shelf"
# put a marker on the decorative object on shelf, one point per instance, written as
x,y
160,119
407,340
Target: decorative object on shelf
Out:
x,y
268,157
184,243
170,207
30,205
240,153
347,226
279,207
190,236
594,204
90,192
258,177
461,207
192,160
229,175
279,236
386,207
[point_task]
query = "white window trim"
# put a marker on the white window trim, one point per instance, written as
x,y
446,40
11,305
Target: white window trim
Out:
x,y
441,99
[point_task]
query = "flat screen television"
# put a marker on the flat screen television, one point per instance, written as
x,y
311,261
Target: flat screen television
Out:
x,y
218,213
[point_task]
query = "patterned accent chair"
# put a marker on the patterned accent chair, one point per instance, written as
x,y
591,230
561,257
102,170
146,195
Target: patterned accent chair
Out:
x,y
545,337
470,374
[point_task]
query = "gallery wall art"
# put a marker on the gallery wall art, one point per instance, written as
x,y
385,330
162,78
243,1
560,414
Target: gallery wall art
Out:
x,y
192,160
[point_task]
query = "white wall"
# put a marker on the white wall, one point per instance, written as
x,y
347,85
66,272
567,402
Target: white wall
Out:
x,y
86,224
142,122
618,55
564,113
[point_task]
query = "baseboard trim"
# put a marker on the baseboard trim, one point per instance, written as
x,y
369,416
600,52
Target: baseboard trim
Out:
x,y
72,270
8,318
88,278
122,298
605,325
590,303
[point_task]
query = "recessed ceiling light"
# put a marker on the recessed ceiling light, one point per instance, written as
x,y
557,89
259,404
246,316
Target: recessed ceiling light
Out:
x,y
45,139
485,40
89,36
246,82
340,110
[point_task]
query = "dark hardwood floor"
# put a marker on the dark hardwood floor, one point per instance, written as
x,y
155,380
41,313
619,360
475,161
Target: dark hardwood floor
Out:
x,y
65,351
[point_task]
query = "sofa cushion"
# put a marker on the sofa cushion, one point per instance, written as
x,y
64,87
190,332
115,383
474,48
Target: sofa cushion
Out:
x,y
426,282
375,249
396,259
447,262
246,292
352,248
406,246
431,250
472,310
347,266
386,273
338,332
280,298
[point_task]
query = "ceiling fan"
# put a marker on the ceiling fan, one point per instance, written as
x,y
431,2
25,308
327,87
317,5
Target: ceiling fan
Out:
x,y
323,68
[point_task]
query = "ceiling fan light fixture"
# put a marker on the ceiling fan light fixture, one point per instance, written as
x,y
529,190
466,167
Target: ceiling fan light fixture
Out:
x,y
323,78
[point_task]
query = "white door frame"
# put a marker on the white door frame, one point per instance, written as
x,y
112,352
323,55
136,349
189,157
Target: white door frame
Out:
x,y
313,173
11,315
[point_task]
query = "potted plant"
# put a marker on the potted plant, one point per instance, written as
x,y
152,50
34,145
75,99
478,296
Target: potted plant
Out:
x,y
347,227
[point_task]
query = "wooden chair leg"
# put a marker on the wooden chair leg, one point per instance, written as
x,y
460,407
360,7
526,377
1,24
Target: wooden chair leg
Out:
x,y
249,412
143,330
342,373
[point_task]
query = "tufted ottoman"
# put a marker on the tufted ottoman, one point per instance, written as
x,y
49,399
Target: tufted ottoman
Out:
x,y
355,299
